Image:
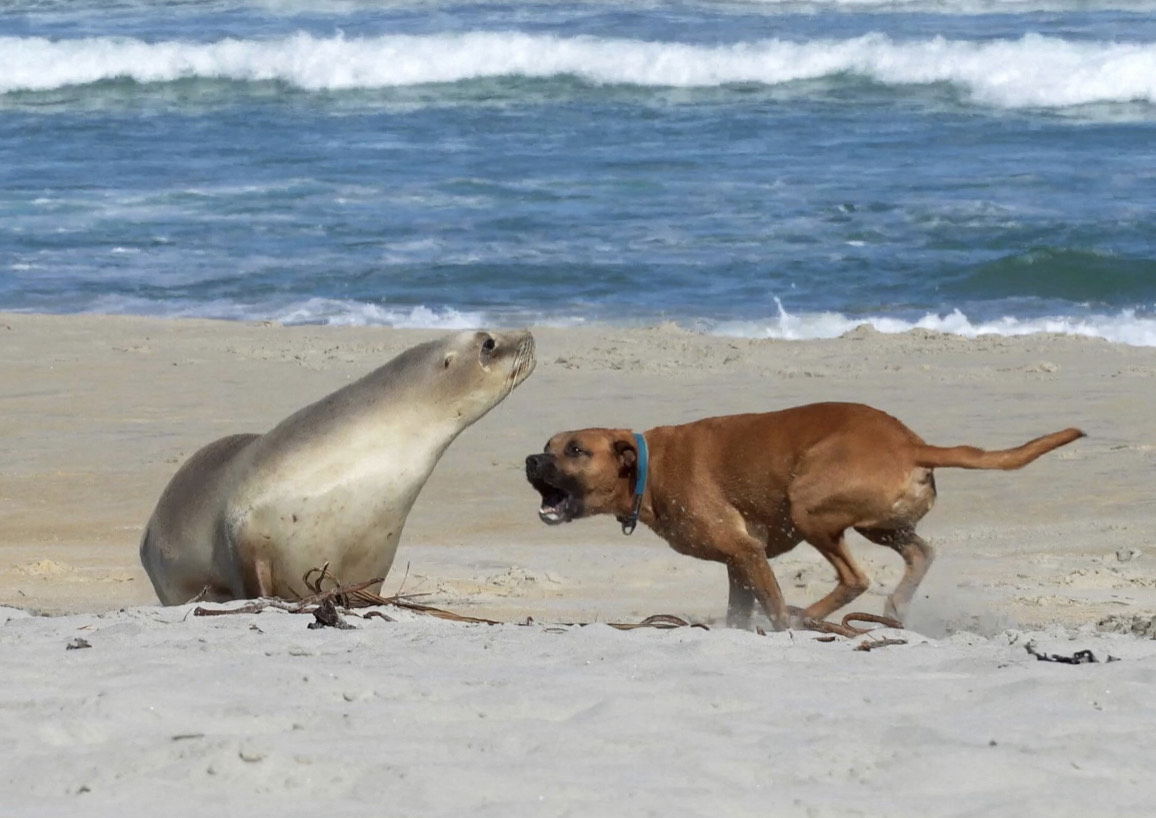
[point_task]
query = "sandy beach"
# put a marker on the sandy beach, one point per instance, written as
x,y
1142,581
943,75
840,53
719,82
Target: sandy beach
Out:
x,y
421,716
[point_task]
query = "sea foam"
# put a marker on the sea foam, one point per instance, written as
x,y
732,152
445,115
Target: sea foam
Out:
x,y
328,311
1125,327
1033,71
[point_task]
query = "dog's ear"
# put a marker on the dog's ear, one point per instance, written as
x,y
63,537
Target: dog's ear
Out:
x,y
627,454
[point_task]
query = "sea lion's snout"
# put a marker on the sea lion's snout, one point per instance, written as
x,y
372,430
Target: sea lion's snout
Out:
x,y
520,345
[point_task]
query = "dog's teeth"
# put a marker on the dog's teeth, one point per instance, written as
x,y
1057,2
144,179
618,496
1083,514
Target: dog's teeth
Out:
x,y
550,513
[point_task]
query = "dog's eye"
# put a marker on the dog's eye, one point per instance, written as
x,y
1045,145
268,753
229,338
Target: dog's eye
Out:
x,y
573,451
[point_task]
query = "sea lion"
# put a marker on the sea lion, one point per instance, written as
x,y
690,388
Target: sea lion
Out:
x,y
249,515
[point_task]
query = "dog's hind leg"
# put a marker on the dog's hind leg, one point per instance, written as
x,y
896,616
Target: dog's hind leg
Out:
x,y
917,555
852,581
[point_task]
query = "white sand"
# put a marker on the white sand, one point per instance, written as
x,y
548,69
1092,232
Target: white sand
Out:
x,y
173,715
256,715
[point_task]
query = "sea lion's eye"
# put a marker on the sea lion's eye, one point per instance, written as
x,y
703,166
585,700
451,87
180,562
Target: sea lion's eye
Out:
x,y
489,345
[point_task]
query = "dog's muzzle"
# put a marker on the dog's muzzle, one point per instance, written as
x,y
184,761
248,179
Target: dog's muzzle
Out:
x,y
560,503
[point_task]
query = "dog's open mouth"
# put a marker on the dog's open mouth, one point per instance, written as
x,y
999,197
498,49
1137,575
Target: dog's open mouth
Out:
x,y
561,493
558,504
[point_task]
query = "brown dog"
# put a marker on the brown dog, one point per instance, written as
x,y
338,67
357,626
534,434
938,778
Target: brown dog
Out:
x,y
742,488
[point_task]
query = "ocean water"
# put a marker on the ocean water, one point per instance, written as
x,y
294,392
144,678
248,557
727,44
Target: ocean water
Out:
x,y
785,168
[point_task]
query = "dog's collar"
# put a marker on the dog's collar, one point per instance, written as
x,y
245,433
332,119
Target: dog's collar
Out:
x,y
643,466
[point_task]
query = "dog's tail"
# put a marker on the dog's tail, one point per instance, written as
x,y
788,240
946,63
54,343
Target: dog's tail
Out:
x,y
969,457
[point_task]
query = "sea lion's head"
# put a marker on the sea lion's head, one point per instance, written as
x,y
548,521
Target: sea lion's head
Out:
x,y
475,370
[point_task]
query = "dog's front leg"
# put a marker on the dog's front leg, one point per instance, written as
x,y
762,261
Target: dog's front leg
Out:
x,y
760,579
741,601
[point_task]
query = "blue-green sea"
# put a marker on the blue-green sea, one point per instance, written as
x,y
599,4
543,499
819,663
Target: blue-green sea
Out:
x,y
763,168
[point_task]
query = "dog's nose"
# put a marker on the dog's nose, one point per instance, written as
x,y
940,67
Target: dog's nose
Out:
x,y
534,464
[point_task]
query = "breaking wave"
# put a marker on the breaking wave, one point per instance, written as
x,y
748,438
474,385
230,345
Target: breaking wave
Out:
x,y
1034,71
1126,326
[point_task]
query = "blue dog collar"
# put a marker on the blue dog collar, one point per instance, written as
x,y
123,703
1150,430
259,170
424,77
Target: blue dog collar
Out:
x,y
643,466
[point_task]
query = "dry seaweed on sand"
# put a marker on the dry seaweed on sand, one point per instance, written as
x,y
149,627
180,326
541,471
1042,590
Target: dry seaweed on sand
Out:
x,y
326,615
328,606
871,644
1080,657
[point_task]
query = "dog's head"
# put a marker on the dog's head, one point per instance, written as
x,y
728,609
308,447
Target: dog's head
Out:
x,y
583,473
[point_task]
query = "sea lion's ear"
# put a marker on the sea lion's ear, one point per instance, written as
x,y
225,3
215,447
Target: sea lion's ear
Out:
x,y
449,359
